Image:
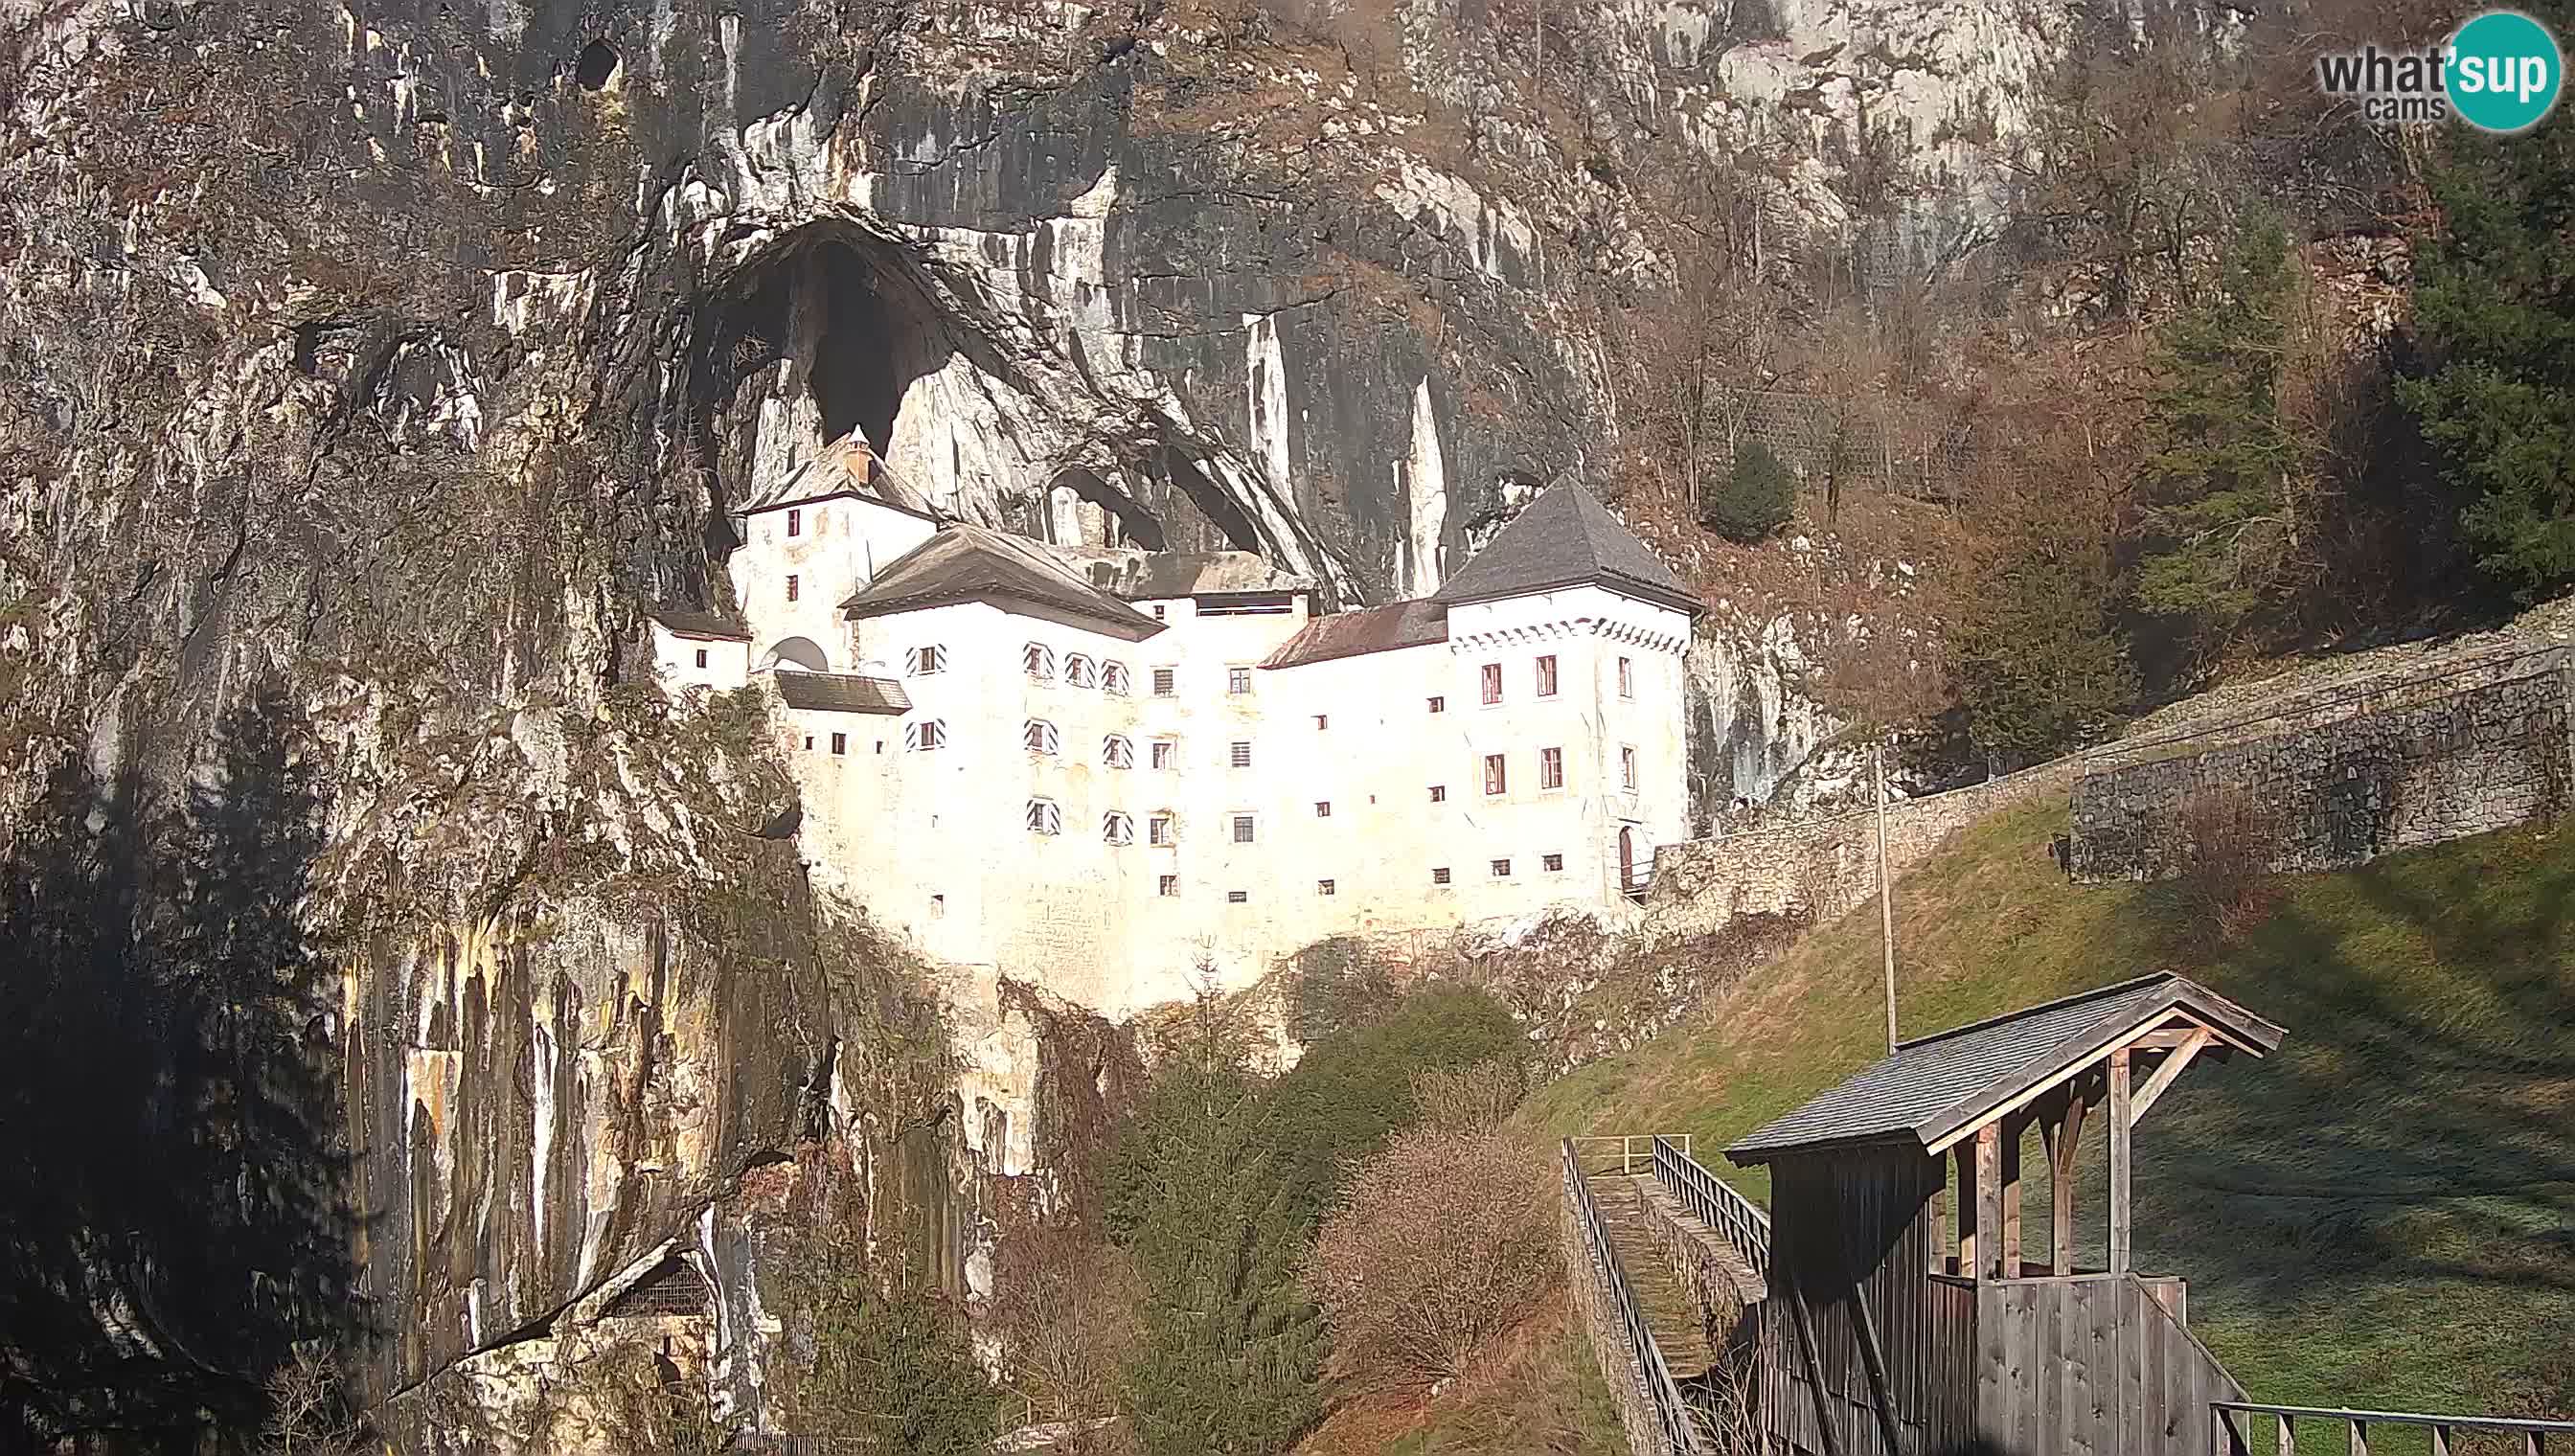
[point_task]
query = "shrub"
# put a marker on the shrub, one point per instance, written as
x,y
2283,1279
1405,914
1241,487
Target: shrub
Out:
x,y
2229,839
1442,1243
1753,498
891,1362
1351,1090
1475,1098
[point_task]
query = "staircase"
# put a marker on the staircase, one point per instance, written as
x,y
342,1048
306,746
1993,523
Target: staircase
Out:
x,y
1670,1310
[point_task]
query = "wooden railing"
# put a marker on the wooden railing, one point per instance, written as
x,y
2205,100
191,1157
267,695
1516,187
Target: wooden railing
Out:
x,y
1714,1202
2238,1421
1670,1414
1627,1154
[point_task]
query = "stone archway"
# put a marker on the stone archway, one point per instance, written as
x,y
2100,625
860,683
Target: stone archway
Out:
x,y
796,654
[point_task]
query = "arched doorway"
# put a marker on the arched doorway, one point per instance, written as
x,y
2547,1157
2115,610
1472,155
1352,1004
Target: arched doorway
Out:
x,y
796,653
1627,860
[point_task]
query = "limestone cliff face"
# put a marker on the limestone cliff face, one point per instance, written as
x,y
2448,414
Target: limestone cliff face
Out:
x,y
368,370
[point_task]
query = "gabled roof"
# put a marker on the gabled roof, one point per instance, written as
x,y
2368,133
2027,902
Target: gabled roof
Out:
x,y
1567,539
841,691
1353,634
1935,1086
848,467
970,563
697,622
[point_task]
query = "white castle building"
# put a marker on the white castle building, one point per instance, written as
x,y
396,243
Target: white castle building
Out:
x,y
1091,768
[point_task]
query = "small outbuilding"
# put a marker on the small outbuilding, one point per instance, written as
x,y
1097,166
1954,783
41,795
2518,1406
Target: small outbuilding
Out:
x,y
1899,1323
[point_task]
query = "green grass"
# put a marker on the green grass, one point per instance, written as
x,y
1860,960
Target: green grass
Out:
x,y
2381,1214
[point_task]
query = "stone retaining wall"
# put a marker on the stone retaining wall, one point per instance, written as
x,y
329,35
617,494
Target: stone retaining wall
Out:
x,y
1816,868
2336,784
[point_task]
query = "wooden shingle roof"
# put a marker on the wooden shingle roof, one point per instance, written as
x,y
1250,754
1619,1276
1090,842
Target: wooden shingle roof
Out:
x,y
1564,538
699,623
1353,634
1937,1087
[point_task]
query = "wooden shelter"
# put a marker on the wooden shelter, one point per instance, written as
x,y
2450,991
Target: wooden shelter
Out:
x,y
1893,1327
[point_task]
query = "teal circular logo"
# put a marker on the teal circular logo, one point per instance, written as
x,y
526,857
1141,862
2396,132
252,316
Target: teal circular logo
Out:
x,y
2503,71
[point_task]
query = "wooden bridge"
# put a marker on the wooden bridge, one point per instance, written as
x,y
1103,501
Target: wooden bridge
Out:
x,y
1881,1310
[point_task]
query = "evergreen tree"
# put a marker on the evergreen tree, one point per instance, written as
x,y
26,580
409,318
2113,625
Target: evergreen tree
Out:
x,y
893,1363
2038,663
1754,498
1230,1362
2218,491
2494,307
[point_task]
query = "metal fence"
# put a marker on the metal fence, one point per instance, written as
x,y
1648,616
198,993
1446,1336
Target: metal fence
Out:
x,y
1672,1414
2245,1427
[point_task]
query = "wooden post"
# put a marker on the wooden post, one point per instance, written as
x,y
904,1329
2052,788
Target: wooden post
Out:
x,y
2015,1133
1941,1217
1825,1401
1968,1207
1885,900
1989,1199
2061,1174
2119,1172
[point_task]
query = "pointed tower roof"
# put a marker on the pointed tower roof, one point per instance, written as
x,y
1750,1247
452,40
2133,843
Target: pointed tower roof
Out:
x,y
1564,538
971,564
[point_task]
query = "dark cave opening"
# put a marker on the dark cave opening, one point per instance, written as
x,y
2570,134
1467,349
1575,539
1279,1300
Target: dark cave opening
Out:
x,y
597,65
1130,523
870,345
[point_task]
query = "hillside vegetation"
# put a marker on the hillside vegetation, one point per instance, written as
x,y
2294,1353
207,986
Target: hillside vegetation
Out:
x,y
2381,1214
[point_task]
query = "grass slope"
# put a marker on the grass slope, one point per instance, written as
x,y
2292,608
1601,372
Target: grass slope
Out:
x,y
2382,1215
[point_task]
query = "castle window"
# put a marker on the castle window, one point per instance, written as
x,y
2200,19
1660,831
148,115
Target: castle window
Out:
x,y
923,661
1495,778
1163,828
1112,679
1551,767
1627,678
1117,752
840,743
1322,886
1039,737
1038,661
1162,683
1078,671
1118,828
1438,704
1493,675
1162,613
1323,810
1322,721
1627,769
809,742
795,522
1241,756
1166,754
1554,864
922,736
1237,896
1501,870
791,589
1439,793
1237,680
1167,885
1546,676
1243,829
702,656
1044,818
1439,875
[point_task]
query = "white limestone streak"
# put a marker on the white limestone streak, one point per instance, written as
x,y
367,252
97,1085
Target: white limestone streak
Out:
x,y
1425,481
541,1098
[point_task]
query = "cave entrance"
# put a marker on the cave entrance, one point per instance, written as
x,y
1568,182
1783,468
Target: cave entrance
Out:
x,y
826,334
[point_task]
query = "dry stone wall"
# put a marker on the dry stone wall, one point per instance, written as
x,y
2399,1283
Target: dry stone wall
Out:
x,y
1817,868
2340,781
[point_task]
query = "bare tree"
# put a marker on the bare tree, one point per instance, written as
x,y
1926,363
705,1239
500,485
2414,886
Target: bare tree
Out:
x,y
1065,1313
1702,356
1442,1243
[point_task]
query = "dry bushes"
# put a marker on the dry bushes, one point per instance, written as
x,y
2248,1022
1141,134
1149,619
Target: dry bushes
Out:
x,y
2227,876
1442,1243
1473,1098
1064,1311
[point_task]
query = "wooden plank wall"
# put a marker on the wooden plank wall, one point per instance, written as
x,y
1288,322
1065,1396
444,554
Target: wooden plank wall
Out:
x,y
1874,1216
2091,1366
